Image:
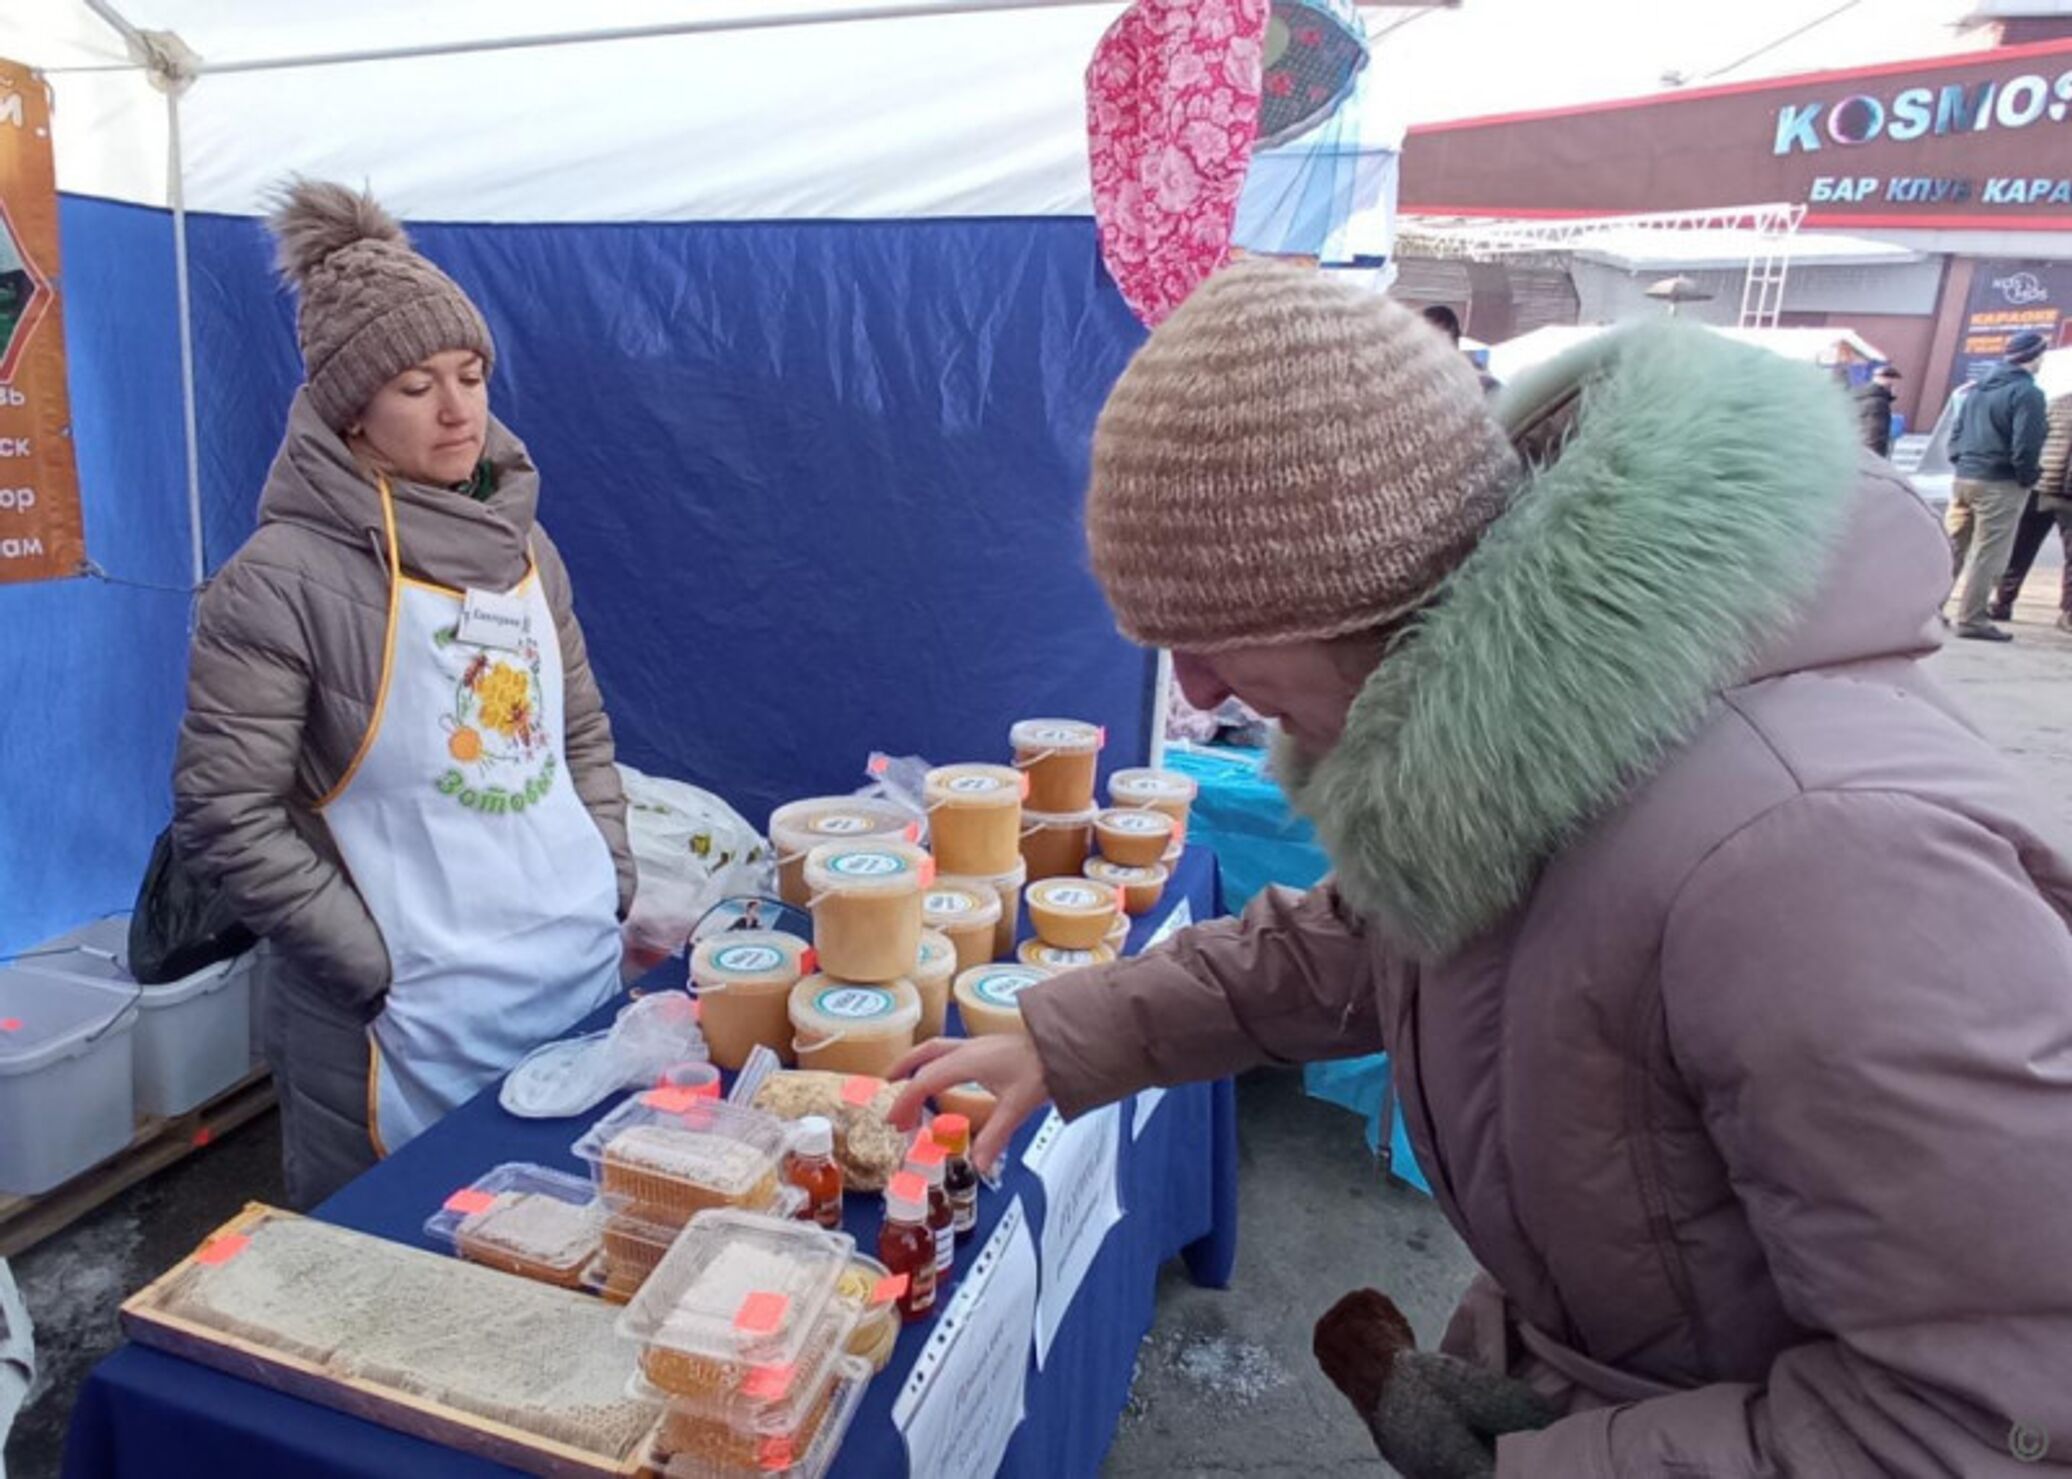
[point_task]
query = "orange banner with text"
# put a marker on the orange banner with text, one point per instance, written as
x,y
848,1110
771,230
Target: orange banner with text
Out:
x,y
41,536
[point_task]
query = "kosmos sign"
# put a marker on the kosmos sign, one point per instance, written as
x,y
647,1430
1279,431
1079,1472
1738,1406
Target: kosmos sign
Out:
x,y
1976,141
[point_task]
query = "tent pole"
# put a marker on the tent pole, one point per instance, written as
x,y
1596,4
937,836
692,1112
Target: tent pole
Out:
x,y
176,188
1161,705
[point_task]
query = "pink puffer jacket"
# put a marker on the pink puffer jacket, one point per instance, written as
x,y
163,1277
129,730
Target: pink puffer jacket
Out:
x,y
1727,981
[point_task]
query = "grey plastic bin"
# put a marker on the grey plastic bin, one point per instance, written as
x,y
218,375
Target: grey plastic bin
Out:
x,y
65,1099
193,1038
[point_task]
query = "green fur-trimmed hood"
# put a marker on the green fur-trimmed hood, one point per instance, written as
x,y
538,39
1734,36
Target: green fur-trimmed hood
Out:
x,y
1684,523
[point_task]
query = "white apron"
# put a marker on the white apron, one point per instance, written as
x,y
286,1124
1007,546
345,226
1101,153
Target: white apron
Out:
x,y
461,828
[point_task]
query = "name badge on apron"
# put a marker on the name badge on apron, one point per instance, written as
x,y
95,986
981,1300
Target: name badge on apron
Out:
x,y
491,620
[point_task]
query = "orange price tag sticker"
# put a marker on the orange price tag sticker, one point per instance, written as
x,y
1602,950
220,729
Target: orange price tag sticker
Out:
x,y
218,1251
928,872
10,1024
670,1098
697,1009
468,1202
767,1383
889,1288
879,765
924,1151
809,962
860,1089
762,1313
912,833
709,1090
774,1455
1025,785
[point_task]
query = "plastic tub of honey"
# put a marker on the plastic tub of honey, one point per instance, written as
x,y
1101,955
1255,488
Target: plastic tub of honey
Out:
x,y
1059,756
1057,845
867,907
1008,886
1118,938
1052,959
744,980
1134,836
864,1287
1161,790
665,1155
968,910
975,817
1141,888
934,970
526,1220
854,1027
801,826
987,997
974,1101
1077,913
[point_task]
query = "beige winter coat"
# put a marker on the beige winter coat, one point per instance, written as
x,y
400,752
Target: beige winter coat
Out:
x,y
285,669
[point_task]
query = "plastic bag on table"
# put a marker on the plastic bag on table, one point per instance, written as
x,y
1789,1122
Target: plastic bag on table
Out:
x,y
566,1078
903,781
691,849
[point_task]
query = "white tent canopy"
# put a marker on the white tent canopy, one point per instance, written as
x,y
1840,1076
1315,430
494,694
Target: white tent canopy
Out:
x,y
1817,346
915,109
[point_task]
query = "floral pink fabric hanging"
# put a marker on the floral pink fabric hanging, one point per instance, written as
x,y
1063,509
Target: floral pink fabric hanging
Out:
x,y
1172,109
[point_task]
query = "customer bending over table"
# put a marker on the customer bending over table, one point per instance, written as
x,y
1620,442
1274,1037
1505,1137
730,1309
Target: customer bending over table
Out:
x,y
395,762
1727,985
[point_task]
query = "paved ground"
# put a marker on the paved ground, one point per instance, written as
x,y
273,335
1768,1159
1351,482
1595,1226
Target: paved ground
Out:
x,y
1226,1384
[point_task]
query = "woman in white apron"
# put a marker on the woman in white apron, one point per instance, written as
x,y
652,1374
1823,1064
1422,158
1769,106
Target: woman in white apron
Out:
x,y
395,760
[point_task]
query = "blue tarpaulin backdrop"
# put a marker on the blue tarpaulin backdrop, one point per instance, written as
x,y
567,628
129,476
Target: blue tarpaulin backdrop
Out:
x,y
818,485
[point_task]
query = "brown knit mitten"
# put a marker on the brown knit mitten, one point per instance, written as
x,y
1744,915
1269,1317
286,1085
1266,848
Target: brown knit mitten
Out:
x,y
1432,1416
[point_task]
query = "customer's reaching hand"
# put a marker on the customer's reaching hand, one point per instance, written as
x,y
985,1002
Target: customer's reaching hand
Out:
x,y
1005,1064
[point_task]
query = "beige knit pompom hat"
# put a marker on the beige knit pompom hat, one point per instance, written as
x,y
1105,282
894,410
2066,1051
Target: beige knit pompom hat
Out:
x,y
1288,457
371,306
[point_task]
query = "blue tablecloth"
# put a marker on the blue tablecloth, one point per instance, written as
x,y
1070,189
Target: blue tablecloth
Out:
x,y
152,1416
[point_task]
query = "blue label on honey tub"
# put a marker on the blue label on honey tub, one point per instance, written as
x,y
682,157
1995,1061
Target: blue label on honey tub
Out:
x,y
1000,988
866,864
748,960
854,1003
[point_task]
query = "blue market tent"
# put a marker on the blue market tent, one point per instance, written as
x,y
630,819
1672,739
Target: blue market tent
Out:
x,y
802,318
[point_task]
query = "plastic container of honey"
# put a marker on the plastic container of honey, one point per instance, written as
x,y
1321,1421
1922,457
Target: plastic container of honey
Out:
x,y
801,826
526,1220
688,1446
1051,959
986,999
1141,888
1134,836
738,1293
854,1027
975,817
1059,756
1008,886
633,1248
1161,790
864,1287
1118,937
867,907
974,1101
1057,845
667,1154
934,970
744,980
968,910
1076,913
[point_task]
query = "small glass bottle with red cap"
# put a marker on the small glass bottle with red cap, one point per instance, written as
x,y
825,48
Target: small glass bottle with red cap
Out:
x,y
906,1246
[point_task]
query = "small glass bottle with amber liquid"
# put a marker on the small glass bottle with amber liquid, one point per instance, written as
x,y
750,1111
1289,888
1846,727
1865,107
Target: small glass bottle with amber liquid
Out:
x,y
906,1246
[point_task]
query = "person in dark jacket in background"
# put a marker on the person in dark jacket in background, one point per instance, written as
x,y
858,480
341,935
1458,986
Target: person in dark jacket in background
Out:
x,y
1874,409
1997,447
2050,506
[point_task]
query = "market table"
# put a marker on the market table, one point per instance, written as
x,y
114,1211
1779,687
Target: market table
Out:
x,y
146,1414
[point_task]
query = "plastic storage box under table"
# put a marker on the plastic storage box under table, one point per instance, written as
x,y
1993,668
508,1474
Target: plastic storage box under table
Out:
x,y
66,1102
193,1036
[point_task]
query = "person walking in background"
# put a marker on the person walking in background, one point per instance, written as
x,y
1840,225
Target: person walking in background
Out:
x,y
1874,409
1997,447
2050,506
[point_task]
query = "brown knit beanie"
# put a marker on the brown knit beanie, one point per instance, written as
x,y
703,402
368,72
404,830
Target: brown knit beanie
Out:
x,y
1288,457
371,306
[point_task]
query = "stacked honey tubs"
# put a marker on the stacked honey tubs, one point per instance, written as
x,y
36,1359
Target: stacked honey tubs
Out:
x,y
1141,836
